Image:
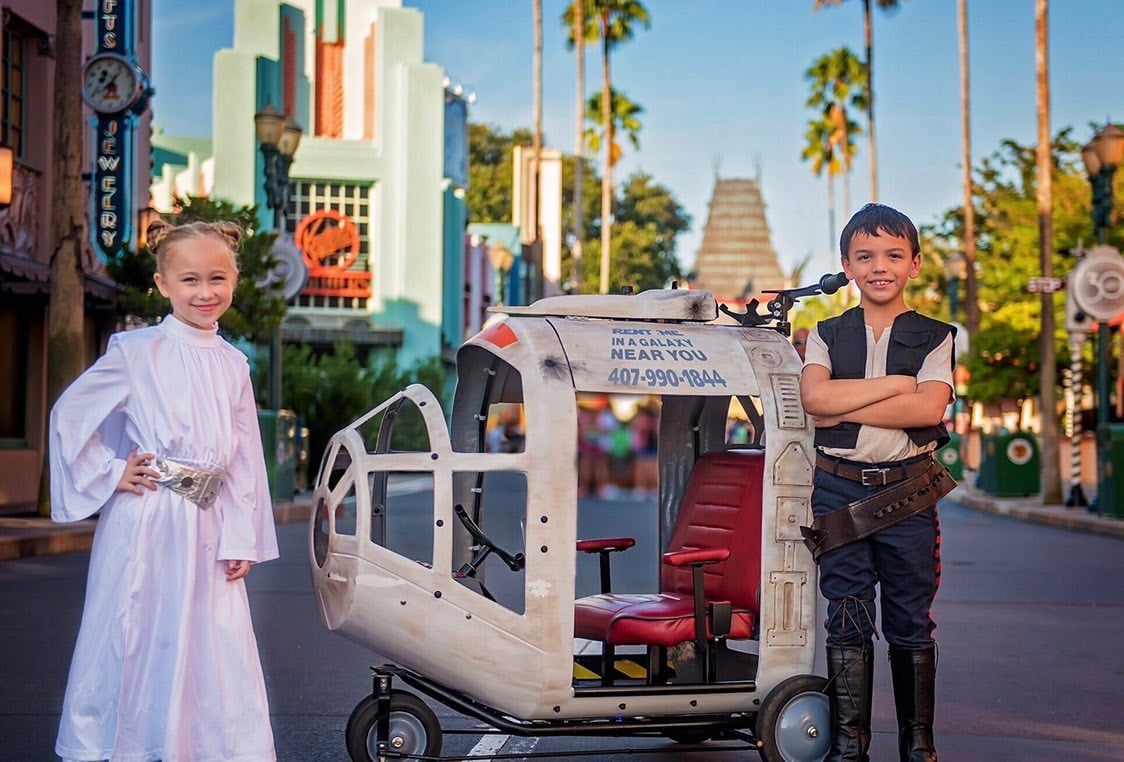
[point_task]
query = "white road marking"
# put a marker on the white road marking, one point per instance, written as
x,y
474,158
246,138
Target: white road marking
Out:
x,y
489,744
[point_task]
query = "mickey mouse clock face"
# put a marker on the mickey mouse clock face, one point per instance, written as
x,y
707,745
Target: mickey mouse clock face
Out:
x,y
110,83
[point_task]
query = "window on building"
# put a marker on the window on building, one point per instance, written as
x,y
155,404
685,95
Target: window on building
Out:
x,y
14,57
351,200
14,327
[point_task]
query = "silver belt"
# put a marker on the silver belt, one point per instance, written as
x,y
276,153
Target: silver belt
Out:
x,y
199,485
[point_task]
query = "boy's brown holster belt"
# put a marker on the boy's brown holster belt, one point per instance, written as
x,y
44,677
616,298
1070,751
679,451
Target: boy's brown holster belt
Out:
x,y
864,517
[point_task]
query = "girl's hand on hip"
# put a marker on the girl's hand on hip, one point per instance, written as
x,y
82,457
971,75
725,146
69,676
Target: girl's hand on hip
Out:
x,y
138,473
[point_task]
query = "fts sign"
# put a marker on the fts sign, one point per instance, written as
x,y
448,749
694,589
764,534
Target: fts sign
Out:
x,y
117,90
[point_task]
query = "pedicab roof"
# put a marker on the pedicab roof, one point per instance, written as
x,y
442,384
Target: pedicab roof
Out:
x,y
654,304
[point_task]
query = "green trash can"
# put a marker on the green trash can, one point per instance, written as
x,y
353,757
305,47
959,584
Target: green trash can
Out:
x,y
1016,464
1110,469
985,476
278,439
949,457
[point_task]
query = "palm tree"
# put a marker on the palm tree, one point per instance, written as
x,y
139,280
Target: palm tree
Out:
x,y
616,24
625,119
971,287
868,40
575,18
1051,477
66,316
839,84
821,152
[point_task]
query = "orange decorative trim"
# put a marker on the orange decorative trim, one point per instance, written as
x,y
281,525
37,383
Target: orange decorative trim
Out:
x,y
370,83
500,335
329,89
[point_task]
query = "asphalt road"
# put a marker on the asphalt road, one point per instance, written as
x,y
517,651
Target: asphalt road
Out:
x,y
1030,620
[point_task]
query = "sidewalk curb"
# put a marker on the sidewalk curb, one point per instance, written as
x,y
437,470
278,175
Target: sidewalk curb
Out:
x,y
1031,510
27,536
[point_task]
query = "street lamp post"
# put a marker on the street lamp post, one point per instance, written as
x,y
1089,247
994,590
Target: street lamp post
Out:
x,y
502,259
1101,156
278,136
954,269
953,272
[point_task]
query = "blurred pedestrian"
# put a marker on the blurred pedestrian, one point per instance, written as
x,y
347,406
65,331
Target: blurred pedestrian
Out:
x,y
161,436
800,341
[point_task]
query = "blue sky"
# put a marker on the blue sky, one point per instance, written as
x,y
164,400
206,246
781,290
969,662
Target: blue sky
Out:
x,y
722,87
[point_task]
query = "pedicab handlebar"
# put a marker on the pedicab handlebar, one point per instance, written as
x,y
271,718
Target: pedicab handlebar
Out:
x,y
484,546
778,307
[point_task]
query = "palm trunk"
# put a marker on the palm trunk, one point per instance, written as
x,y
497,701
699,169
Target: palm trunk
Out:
x,y
868,36
579,150
1051,482
607,139
972,300
66,315
832,239
536,151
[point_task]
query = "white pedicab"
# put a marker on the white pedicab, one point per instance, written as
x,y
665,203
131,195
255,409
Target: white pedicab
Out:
x,y
460,563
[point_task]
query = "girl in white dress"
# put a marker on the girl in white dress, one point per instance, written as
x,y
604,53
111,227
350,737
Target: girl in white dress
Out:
x,y
161,436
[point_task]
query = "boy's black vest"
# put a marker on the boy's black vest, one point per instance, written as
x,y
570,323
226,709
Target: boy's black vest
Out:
x,y
912,338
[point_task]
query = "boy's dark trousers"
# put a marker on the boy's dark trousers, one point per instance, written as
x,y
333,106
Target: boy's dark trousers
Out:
x,y
904,561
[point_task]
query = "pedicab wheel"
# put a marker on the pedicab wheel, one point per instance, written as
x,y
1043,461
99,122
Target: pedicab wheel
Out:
x,y
795,721
414,728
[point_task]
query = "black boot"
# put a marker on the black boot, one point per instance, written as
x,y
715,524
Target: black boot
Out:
x,y
914,676
850,678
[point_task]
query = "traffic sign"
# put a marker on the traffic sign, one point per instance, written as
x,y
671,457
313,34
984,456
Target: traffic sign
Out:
x,y
1098,283
1045,285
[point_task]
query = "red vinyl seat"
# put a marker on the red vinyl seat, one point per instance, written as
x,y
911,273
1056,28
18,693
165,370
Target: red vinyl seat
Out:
x,y
719,528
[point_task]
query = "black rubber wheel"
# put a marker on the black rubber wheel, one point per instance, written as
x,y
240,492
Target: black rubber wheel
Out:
x,y
414,728
693,736
794,723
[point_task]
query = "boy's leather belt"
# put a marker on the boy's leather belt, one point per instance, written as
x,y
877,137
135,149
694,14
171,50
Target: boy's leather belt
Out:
x,y
873,476
862,518
199,485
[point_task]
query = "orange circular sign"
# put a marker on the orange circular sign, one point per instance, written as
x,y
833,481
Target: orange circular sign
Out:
x,y
328,239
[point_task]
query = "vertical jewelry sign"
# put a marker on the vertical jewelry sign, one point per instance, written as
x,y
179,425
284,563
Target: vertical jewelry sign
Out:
x,y
112,177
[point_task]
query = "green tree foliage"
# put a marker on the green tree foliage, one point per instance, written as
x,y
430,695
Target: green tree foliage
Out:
x,y
490,171
648,220
331,390
1004,357
256,309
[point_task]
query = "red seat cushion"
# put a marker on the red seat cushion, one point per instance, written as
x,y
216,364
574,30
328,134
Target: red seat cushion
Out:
x,y
721,508
657,619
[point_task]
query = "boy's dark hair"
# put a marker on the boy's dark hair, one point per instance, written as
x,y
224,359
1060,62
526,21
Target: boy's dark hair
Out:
x,y
872,219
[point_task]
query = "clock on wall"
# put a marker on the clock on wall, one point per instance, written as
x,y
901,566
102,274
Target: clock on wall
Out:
x,y
111,83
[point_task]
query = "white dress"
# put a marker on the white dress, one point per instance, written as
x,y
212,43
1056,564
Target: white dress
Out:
x,y
166,665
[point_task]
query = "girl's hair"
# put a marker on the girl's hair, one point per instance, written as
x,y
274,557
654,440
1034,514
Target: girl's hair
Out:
x,y
163,235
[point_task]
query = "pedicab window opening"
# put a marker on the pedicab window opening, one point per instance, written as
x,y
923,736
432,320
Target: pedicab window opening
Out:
x,y
402,502
499,508
490,417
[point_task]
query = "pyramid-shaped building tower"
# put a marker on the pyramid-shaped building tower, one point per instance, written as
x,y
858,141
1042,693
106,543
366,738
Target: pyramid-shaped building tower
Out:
x,y
737,259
